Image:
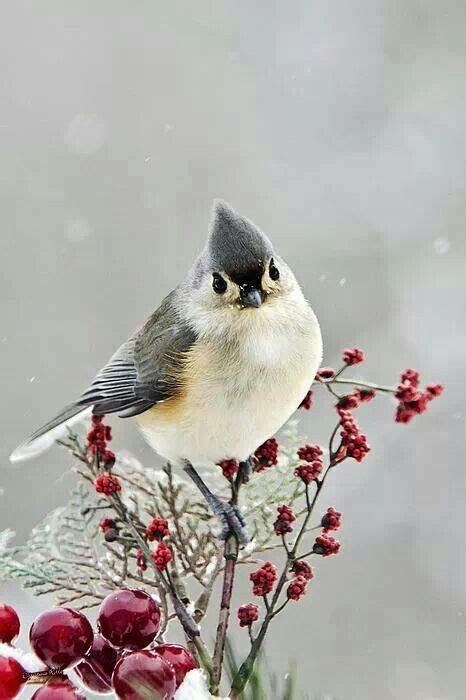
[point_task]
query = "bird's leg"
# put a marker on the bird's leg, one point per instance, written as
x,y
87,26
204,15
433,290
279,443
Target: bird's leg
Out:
x,y
230,516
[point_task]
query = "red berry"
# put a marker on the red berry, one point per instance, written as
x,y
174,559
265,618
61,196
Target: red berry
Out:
x,y
353,356
61,637
129,619
296,588
248,614
179,658
9,624
12,678
107,484
306,403
58,690
143,674
91,680
229,467
157,529
162,556
96,670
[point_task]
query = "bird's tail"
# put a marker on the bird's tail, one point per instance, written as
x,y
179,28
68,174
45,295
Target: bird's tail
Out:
x,y
43,438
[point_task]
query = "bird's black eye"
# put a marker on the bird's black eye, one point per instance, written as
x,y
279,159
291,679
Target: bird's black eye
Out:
x,y
219,284
274,271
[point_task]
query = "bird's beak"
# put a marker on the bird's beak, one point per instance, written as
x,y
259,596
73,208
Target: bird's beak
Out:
x,y
251,297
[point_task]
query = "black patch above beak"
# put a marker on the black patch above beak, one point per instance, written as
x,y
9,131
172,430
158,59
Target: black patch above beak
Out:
x,y
252,297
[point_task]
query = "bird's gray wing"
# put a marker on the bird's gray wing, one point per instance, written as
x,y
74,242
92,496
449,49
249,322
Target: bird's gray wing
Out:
x,y
145,370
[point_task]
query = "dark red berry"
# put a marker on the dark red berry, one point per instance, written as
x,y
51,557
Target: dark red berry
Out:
x,y
143,674
129,619
162,556
91,680
157,529
61,637
107,484
9,624
248,614
179,658
353,356
296,588
229,467
263,579
12,678
306,403
58,690
97,668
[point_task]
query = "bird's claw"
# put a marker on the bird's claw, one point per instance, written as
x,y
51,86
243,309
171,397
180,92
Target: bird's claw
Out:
x,y
233,522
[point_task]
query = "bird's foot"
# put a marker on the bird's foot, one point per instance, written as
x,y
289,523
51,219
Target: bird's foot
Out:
x,y
232,520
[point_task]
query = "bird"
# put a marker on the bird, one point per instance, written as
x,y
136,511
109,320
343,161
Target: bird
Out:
x,y
218,367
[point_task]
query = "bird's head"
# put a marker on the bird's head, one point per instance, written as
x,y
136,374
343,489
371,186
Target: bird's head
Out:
x,y
238,276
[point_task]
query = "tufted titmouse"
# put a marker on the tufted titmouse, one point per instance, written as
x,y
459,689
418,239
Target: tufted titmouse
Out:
x,y
219,367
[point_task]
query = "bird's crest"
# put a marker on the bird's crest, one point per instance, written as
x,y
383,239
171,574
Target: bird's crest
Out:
x,y
236,245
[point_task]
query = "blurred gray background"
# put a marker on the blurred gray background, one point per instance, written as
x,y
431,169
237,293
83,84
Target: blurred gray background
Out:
x,y
340,129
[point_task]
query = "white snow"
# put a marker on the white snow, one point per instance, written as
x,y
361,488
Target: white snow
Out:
x,y
194,687
28,661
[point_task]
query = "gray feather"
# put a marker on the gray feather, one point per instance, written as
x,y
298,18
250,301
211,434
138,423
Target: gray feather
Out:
x,y
142,372
236,245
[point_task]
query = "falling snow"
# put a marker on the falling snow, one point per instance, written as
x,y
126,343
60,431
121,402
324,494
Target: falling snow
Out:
x,y
441,246
77,230
85,134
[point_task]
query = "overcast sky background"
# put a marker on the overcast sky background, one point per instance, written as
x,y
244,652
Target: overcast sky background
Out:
x,y
340,129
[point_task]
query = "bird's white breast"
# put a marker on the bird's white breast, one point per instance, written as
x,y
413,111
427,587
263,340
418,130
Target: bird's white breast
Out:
x,y
240,388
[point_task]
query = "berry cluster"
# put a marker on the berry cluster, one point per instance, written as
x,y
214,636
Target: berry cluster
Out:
x,y
306,403
115,659
331,520
263,579
310,453
312,467
266,455
110,529
302,568
353,442
247,614
282,525
162,556
296,588
229,468
107,484
325,374
325,545
411,400
308,472
157,529
97,439
352,356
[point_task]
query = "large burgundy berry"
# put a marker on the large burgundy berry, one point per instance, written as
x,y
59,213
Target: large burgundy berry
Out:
x,y
179,658
61,637
58,690
9,624
96,670
129,619
143,675
91,680
12,678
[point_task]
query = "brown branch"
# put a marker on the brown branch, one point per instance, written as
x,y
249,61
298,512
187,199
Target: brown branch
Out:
x,y
231,557
243,674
